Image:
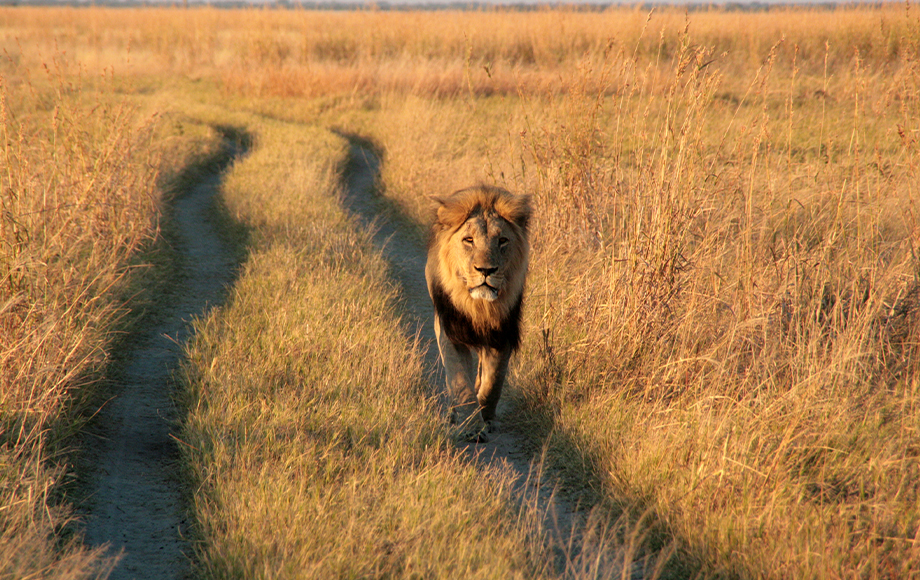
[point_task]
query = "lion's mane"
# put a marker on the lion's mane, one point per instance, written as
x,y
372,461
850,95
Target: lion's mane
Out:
x,y
466,320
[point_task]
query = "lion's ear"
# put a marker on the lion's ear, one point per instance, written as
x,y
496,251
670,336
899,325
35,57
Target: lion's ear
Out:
x,y
442,210
516,209
525,212
451,215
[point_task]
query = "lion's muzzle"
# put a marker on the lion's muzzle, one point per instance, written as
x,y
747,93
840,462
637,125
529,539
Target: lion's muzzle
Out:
x,y
484,292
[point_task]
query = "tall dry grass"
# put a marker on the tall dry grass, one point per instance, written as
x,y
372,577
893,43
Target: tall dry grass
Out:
x,y
312,440
728,303
361,54
722,317
78,201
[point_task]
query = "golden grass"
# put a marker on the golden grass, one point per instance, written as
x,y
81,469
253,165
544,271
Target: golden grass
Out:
x,y
77,203
723,311
309,414
300,53
722,324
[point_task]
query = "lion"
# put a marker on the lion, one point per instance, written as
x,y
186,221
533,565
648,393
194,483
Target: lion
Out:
x,y
478,254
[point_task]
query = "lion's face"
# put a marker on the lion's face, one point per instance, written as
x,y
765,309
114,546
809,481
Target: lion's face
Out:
x,y
480,251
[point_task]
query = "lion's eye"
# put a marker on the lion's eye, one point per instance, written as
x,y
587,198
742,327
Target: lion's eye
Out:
x,y
502,241
468,240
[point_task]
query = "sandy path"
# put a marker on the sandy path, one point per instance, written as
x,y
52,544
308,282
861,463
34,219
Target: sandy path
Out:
x,y
406,257
135,505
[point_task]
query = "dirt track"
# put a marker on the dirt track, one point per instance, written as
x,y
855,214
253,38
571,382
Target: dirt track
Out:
x,y
406,257
135,505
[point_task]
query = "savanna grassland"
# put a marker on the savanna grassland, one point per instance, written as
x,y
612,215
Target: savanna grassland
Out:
x,y
722,335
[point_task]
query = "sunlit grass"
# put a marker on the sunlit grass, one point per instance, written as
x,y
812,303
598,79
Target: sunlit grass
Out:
x,y
309,411
721,348
78,203
723,309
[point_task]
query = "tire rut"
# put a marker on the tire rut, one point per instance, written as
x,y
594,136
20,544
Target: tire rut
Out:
x,y
406,256
135,506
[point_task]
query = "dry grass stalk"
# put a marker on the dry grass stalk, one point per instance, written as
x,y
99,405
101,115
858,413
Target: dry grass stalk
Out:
x,y
725,270
77,203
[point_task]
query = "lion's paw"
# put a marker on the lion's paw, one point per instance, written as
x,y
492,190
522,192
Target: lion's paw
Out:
x,y
473,430
476,436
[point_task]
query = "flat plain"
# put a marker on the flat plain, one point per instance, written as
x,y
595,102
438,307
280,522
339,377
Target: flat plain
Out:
x,y
721,364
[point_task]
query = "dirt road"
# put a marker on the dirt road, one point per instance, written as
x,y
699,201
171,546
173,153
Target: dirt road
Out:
x,y
406,257
135,506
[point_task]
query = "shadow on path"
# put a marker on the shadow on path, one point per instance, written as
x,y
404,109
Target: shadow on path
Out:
x,y
135,502
395,236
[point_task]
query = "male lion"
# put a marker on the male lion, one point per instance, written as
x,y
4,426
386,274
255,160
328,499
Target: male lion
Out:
x,y
477,261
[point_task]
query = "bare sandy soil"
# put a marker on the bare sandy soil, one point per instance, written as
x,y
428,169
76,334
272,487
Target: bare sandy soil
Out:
x,y
135,506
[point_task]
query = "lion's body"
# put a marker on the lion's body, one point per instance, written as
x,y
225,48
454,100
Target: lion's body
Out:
x,y
477,264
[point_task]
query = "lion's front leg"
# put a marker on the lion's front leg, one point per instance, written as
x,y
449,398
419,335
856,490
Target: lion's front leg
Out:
x,y
493,367
460,371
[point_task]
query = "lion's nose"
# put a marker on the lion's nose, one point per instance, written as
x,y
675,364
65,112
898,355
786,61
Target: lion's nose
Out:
x,y
485,271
